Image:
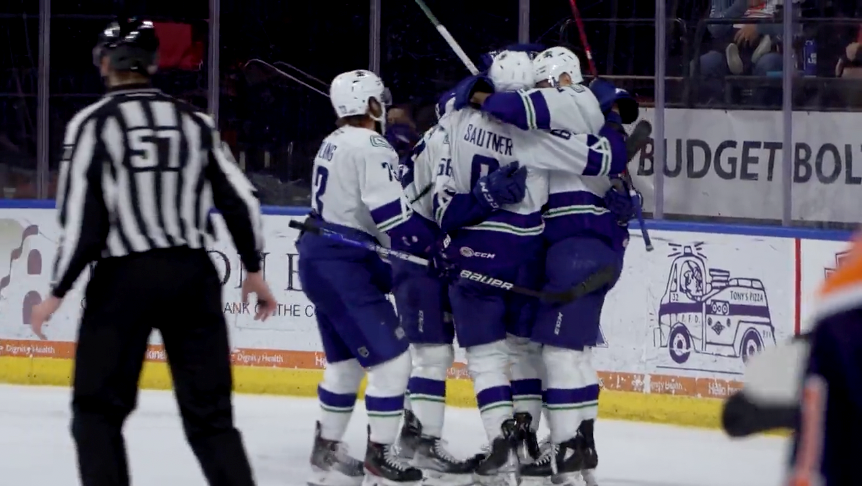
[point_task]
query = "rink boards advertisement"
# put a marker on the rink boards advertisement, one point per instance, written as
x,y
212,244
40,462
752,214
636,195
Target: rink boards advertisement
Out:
x,y
726,162
677,328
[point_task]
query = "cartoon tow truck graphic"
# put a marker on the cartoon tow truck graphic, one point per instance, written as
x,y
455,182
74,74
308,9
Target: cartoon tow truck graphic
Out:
x,y
718,315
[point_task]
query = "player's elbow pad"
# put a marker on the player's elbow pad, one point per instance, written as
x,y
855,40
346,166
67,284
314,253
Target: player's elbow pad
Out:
x,y
508,108
607,153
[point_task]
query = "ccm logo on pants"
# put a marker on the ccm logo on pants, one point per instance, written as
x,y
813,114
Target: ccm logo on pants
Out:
x,y
493,282
469,253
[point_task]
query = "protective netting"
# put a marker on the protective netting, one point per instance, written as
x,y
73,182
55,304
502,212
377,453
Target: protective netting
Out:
x,y
718,92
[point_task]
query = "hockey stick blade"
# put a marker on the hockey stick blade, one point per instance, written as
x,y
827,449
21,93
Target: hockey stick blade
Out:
x,y
589,285
638,139
594,282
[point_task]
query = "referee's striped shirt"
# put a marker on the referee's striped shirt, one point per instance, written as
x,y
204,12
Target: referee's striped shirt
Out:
x,y
140,171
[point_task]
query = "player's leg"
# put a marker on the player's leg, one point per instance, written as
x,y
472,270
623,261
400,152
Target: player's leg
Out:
x,y
480,314
526,366
195,337
111,345
357,309
567,332
422,303
331,463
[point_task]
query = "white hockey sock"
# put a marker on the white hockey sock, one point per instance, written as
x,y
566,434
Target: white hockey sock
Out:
x,y
337,396
526,374
568,395
427,386
591,378
384,397
487,365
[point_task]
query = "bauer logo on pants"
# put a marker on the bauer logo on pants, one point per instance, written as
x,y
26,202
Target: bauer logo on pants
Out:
x,y
493,282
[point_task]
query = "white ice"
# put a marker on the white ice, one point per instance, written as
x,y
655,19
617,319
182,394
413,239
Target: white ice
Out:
x,y
36,448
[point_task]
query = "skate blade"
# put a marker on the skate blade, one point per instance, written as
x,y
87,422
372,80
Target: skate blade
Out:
x,y
503,479
567,479
437,478
333,478
535,481
589,477
371,480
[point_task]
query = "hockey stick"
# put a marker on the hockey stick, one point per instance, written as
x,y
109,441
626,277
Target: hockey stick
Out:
x,y
283,66
282,73
594,282
639,137
448,38
583,34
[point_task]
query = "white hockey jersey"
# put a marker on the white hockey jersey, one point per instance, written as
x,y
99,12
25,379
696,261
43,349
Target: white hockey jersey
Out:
x,y
355,182
479,144
559,129
419,171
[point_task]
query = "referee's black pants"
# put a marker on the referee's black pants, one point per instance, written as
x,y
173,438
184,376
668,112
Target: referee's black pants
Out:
x,y
178,292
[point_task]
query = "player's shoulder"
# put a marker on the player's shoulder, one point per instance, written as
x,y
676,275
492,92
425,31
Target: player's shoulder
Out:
x,y
361,140
89,112
436,135
842,289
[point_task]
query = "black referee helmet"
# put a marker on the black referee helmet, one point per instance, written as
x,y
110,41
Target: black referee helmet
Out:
x,y
130,45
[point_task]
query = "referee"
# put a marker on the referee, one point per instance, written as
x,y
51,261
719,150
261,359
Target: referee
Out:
x,y
140,174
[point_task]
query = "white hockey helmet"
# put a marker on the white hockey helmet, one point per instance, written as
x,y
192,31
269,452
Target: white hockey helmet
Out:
x,y
511,71
552,63
351,91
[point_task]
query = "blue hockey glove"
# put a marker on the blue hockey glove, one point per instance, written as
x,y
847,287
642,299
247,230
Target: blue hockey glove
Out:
x,y
609,95
619,201
466,88
506,185
615,148
417,235
440,267
442,107
402,137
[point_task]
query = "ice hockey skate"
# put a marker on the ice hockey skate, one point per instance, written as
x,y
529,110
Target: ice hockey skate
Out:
x,y
331,464
571,458
501,466
528,444
539,472
439,467
587,444
408,439
384,468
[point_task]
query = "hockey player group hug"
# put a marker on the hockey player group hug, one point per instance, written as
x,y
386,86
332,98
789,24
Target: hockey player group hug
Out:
x,y
520,182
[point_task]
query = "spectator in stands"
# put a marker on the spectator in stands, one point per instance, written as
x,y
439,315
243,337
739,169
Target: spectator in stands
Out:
x,y
741,48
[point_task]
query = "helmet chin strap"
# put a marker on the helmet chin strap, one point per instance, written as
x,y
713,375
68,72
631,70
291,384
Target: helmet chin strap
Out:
x,y
381,120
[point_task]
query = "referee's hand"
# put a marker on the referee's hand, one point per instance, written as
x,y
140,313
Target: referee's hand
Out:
x,y
266,304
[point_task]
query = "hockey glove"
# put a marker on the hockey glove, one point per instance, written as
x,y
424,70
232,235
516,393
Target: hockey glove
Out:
x,y
620,203
441,268
609,95
506,185
417,235
466,88
610,149
402,137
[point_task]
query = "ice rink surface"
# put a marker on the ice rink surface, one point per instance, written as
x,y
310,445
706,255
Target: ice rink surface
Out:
x,y
37,449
